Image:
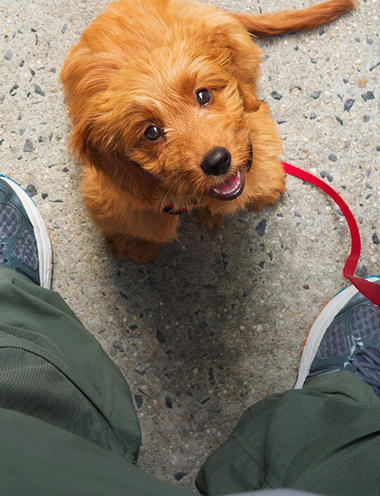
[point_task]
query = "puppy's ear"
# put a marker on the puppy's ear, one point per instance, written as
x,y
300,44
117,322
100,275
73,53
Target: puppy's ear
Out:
x,y
95,142
248,94
232,47
86,79
101,140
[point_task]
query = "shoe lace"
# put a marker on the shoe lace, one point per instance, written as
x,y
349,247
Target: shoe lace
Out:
x,y
367,364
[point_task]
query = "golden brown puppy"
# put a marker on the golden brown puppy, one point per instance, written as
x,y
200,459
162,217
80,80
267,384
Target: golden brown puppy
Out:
x,y
162,95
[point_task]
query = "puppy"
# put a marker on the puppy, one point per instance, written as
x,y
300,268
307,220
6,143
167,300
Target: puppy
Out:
x,y
162,96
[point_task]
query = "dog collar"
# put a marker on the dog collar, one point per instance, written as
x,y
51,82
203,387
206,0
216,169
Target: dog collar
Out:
x,y
171,209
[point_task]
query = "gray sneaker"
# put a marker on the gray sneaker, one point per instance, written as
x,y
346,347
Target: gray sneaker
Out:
x,y
24,240
344,336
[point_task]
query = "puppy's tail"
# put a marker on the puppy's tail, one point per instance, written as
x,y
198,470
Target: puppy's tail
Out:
x,y
287,21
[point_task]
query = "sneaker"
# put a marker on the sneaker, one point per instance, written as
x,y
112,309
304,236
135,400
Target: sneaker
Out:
x,y
24,240
344,336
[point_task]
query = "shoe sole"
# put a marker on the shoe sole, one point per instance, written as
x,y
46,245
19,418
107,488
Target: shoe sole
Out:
x,y
44,250
320,326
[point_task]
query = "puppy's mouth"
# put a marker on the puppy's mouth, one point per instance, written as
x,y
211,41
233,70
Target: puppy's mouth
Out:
x,y
232,187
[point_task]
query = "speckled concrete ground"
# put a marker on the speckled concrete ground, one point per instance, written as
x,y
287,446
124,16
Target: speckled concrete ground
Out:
x,y
217,321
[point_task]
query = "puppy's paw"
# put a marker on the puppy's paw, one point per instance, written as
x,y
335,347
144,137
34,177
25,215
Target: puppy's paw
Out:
x,y
269,184
209,220
269,198
138,250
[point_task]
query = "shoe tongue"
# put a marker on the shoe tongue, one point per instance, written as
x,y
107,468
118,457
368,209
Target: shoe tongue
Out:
x,y
229,184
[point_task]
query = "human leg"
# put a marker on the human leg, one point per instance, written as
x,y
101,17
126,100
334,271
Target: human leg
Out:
x,y
68,425
324,437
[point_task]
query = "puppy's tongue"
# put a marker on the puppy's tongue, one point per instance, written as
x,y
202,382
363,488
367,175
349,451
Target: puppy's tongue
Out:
x,y
232,187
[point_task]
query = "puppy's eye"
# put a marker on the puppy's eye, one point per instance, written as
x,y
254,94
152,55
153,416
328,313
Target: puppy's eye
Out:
x,y
152,133
203,96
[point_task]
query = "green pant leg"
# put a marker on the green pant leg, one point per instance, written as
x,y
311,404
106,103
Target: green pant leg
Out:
x,y
83,391
68,425
40,459
324,438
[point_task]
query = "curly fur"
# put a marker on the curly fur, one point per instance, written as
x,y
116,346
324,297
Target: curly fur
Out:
x,y
140,63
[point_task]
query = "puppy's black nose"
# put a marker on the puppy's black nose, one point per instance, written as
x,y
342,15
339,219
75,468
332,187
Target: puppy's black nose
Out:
x,y
217,161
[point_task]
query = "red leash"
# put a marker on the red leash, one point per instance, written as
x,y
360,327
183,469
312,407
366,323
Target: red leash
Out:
x,y
370,289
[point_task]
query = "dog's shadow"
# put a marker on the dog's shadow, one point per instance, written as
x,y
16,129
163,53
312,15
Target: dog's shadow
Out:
x,y
189,344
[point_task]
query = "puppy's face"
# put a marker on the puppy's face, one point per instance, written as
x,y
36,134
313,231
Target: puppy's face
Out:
x,y
176,115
